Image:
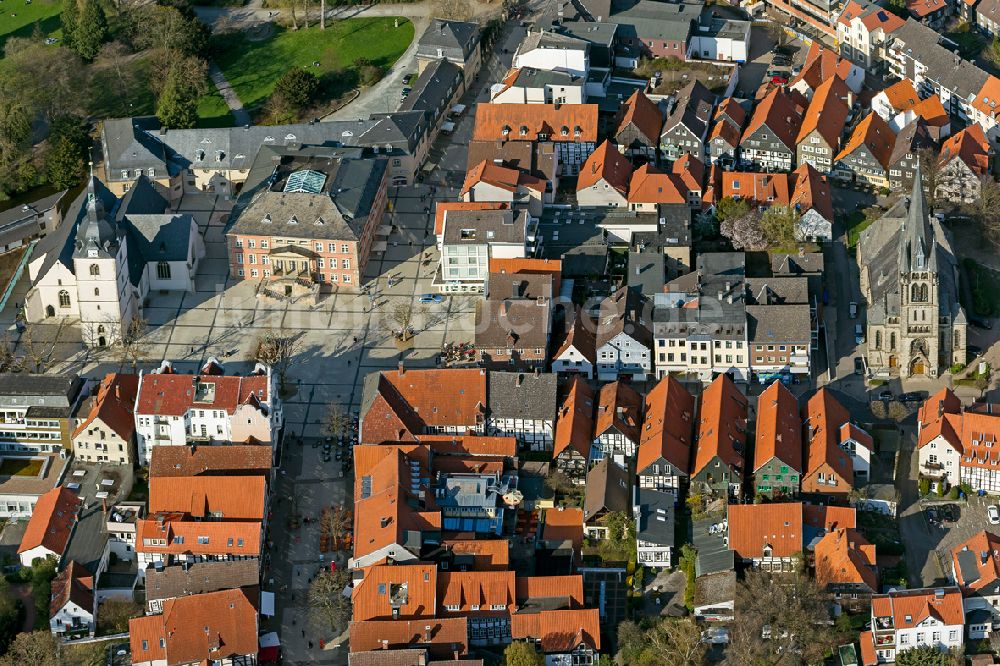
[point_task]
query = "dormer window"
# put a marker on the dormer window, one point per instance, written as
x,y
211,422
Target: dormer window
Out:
x,y
267,219
505,131
524,130
293,220
564,131
199,155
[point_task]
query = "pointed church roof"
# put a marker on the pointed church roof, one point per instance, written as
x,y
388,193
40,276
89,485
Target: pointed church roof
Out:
x,y
916,247
97,235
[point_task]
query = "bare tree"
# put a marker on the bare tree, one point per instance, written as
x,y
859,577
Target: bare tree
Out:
x,y
402,314
745,232
132,343
783,621
336,421
330,608
40,352
456,10
335,523
9,362
677,642
986,209
277,351
931,168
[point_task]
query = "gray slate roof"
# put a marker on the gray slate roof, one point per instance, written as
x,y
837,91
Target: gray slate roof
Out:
x,y
457,39
22,389
658,21
23,222
506,226
433,88
778,323
655,516
200,577
922,44
607,490
522,395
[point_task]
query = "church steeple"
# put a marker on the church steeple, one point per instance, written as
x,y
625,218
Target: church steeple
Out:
x,y
916,244
95,208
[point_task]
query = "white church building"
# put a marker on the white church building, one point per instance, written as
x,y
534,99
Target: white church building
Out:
x,y
101,266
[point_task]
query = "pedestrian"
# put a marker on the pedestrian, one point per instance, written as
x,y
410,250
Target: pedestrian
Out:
x,y
293,621
298,573
310,645
303,633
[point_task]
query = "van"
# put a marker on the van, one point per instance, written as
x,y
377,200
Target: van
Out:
x,y
859,334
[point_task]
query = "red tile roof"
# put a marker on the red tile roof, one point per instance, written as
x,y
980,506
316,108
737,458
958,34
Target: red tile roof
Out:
x,y
529,266
754,526
985,554
844,556
763,188
988,97
173,394
441,636
933,112
74,583
821,65
488,554
812,191
667,427
690,171
484,589
933,421
226,497
412,586
408,401
902,96
525,122
875,134
642,112
606,164
559,631
970,146
52,521
182,537
923,8
502,177
827,112
564,524
825,415
909,608
199,629
721,424
227,460
113,405
826,517
619,406
441,209
730,108
868,656
780,112
779,428
649,185
575,422
550,587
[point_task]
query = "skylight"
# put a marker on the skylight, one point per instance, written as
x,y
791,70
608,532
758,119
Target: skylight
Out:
x,y
306,180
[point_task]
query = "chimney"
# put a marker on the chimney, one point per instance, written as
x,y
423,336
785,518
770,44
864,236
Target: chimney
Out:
x,y
118,392
427,633
940,408
520,379
402,369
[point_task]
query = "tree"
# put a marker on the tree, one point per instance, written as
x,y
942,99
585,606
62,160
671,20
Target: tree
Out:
x,y
992,52
402,315
10,615
729,207
64,164
689,565
677,642
69,17
91,30
132,341
522,653
37,648
337,421
40,352
27,64
335,523
931,168
455,10
277,351
926,655
793,609
559,482
780,224
9,362
621,529
986,209
178,105
114,614
331,610
631,642
745,232
293,93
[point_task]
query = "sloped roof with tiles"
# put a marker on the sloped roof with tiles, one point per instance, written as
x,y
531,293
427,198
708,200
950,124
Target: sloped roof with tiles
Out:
x,y
410,589
569,589
525,122
113,405
730,110
198,537
811,191
440,636
198,629
826,517
74,583
607,490
564,524
935,418
779,428
845,556
988,97
908,608
721,425
766,188
780,113
933,112
650,185
398,404
580,336
442,208
559,631
902,96
228,460
976,563
575,423
606,164
821,65
924,8
501,177
827,112
51,521
210,497
753,527
200,577
690,172
529,266
874,134
619,406
173,394
825,415
667,426
485,589
642,113
970,146
488,554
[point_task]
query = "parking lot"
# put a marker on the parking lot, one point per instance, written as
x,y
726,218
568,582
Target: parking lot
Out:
x,y
942,534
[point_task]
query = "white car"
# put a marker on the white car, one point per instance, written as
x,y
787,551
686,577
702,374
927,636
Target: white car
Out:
x,y
993,514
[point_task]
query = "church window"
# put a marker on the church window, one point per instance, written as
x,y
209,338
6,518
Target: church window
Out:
x,y
892,341
95,269
64,299
97,292
163,270
878,339
100,329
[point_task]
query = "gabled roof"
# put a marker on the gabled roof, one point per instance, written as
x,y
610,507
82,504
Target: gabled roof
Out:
x,y
908,608
170,394
51,521
113,405
641,112
911,138
440,636
581,336
933,112
200,577
649,185
970,146
484,589
933,421
845,556
825,415
190,537
827,112
976,563
824,517
442,208
872,16
667,426
501,177
779,112
619,406
988,98
607,490
559,631
812,191
575,424
528,266
198,629
721,425
568,589
606,164
74,583
902,96
875,134
821,65
765,188
228,460
616,318
924,8
525,122
730,109
693,108
564,524
752,527
779,428
410,589
690,172
488,554
209,497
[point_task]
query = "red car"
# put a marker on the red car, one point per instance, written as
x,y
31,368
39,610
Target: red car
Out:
x,y
779,79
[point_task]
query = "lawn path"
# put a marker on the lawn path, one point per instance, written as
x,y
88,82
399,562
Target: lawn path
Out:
x,y
240,115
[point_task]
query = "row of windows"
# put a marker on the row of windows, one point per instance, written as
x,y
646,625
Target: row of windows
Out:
x,y
320,277
279,264
332,247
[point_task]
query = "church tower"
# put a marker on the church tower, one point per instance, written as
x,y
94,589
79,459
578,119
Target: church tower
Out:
x,y
100,261
918,288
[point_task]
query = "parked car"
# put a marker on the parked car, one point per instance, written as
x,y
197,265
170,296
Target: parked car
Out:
x,y
852,310
405,92
974,351
950,513
780,79
980,322
407,79
431,298
913,396
859,365
781,61
859,334
885,395
993,514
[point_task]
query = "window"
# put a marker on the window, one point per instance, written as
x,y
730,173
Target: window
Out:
x,y
95,269
97,292
64,299
345,264
163,270
239,257
345,248
319,247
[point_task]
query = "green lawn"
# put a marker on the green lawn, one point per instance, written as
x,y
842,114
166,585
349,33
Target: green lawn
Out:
x,y
253,67
20,467
856,223
984,288
46,13
212,110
